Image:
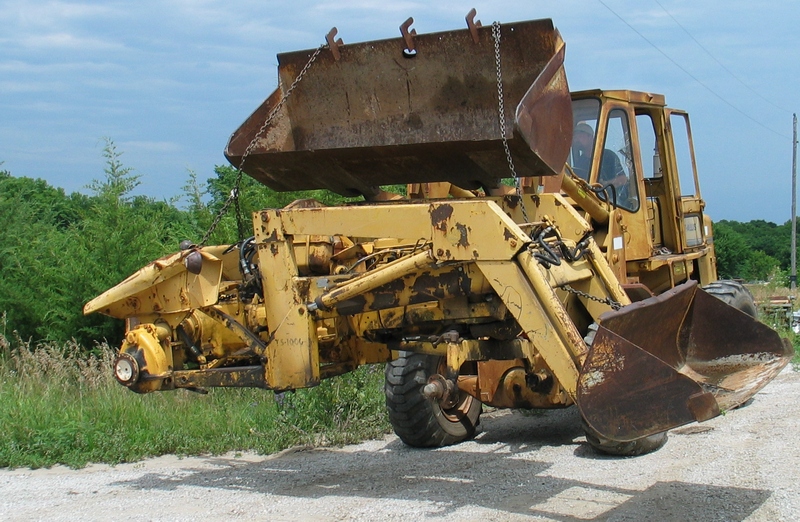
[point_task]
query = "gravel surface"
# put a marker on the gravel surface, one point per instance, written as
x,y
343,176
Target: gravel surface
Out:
x,y
741,466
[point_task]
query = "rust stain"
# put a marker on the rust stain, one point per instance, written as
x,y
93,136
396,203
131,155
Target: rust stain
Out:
x,y
420,316
183,297
303,287
511,201
392,319
439,216
351,306
463,233
429,287
387,296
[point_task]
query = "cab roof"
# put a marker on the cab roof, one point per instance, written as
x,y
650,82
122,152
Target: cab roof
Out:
x,y
647,98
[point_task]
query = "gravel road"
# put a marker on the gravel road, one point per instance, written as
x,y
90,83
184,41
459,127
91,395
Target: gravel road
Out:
x,y
741,466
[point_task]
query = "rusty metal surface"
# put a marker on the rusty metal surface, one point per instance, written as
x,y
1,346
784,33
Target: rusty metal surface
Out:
x,y
544,110
374,117
655,324
730,353
626,393
681,357
238,377
507,384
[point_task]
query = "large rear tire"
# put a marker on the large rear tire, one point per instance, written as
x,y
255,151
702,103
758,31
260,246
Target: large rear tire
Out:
x,y
418,421
735,295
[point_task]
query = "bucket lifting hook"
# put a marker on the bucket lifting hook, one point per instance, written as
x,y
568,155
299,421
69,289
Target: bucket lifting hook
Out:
x,y
473,25
408,36
334,44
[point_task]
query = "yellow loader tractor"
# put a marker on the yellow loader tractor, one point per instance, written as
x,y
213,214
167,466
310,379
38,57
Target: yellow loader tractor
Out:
x,y
590,280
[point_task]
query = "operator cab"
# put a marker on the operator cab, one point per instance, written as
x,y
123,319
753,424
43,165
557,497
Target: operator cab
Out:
x,y
637,154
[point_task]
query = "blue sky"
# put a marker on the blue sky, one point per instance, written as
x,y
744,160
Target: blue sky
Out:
x,y
170,80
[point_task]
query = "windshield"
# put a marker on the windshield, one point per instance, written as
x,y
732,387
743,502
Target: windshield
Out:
x,y
616,169
584,120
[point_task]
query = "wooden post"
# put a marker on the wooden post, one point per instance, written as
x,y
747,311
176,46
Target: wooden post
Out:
x,y
793,277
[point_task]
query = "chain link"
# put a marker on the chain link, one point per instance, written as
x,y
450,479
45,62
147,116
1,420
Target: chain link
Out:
x,y
610,302
502,115
234,195
223,210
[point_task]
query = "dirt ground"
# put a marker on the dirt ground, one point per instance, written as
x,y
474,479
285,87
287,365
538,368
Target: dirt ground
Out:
x,y
741,466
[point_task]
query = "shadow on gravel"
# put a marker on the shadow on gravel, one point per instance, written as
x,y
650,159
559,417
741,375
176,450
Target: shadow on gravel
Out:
x,y
507,477
523,430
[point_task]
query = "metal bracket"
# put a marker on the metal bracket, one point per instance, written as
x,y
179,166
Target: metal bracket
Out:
x,y
408,36
334,44
473,25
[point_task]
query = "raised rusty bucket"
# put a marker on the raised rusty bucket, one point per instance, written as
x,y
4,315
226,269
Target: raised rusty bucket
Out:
x,y
680,357
370,115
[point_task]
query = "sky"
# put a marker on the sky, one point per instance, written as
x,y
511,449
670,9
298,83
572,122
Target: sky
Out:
x,y
169,80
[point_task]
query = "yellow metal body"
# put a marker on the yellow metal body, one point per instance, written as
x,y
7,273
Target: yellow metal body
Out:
x,y
502,283
452,264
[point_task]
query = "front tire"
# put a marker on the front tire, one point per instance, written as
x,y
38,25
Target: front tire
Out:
x,y
735,295
632,448
418,421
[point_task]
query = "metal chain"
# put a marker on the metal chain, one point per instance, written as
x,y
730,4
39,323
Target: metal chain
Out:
x,y
610,302
234,195
222,211
502,116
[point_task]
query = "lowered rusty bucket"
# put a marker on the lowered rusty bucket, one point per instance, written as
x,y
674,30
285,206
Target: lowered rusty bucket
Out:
x,y
418,109
680,357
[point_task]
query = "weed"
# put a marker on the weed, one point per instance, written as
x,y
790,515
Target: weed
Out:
x,y
61,406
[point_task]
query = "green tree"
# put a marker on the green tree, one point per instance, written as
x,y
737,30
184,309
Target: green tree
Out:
x,y
767,237
731,249
754,250
120,234
35,216
759,266
59,251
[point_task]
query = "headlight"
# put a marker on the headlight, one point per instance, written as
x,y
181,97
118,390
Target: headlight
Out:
x,y
126,370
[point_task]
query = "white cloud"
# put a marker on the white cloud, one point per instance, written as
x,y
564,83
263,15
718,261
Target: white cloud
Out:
x,y
64,41
31,86
54,69
53,14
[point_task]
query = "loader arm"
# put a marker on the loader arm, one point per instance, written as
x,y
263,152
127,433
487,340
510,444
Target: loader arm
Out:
x,y
462,232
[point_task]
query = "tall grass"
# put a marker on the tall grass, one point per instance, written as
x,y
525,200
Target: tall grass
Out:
x,y
60,406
